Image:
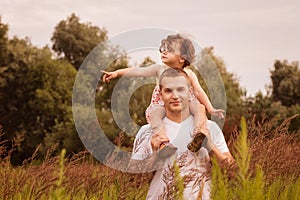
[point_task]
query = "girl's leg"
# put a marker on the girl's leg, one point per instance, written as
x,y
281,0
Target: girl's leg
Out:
x,y
200,119
156,116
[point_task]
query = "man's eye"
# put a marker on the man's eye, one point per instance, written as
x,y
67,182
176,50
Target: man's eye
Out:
x,y
181,89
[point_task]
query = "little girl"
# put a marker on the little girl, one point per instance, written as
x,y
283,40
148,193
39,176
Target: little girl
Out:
x,y
176,52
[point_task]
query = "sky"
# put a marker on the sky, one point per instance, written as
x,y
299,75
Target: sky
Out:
x,y
248,35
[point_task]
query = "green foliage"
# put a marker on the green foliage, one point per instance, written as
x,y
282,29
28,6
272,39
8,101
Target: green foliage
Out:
x,y
263,107
220,186
246,185
74,40
36,96
135,103
139,102
105,90
213,74
179,183
242,155
3,43
59,192
286,83
282,100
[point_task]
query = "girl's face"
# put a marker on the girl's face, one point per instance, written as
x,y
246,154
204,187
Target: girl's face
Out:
x,y
170,55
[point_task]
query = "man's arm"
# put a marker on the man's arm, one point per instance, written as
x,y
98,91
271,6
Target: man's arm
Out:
x,y
142,143
224,159
216,146
143,158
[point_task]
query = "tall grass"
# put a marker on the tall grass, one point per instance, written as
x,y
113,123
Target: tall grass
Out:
x,y
251,184
268,162
78,177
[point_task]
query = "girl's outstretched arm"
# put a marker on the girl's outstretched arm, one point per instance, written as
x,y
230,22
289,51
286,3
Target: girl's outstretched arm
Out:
x,y
151,70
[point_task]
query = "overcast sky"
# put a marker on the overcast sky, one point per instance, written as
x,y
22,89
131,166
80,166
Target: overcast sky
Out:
x,y
248,35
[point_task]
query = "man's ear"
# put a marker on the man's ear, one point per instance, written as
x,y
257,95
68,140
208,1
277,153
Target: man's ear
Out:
x,y
191,91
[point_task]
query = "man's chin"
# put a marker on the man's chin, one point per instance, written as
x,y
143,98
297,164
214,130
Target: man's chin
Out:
x,y
176,108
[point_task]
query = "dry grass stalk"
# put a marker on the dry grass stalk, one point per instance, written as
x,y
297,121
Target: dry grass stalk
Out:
x,y
276,150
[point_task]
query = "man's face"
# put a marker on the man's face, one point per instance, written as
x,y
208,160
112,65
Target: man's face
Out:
x,y
175,94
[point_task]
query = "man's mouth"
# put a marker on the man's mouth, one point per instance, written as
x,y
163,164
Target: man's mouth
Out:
x,y
175,103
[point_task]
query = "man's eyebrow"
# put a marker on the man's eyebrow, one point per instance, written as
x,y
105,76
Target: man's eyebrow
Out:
x,y
167,88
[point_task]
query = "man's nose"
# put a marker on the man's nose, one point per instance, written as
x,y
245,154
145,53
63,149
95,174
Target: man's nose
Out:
x,y
175,94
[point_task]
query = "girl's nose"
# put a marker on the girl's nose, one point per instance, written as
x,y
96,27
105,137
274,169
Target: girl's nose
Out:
x,y
164,51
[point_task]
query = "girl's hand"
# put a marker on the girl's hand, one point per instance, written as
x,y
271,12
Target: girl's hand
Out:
x,y
107,76
217,112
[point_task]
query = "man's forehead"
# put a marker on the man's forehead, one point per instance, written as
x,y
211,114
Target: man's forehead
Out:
x,y
174,82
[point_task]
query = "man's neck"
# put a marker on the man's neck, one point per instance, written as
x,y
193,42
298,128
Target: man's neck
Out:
x,y
178,117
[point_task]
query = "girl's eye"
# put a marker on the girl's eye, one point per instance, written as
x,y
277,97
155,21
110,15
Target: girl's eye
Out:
x,y
166,47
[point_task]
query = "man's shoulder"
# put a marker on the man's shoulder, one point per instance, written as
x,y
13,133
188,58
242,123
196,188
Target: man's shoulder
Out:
x,y
146,126
214,127
212,123
144,129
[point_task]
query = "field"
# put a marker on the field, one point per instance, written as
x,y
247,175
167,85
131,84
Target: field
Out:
x,y
268,161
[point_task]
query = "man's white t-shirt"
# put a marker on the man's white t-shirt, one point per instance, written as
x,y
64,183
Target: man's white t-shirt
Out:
x,y
193,165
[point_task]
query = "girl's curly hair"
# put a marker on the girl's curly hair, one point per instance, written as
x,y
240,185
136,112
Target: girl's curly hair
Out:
x,y
187,50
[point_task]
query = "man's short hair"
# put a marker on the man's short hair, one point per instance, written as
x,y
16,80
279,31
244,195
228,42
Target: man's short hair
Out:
x,y
174,72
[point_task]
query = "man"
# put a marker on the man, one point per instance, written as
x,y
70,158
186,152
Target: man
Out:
x,y
175,92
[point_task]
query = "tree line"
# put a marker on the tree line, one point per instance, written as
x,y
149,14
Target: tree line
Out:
x,y
36,91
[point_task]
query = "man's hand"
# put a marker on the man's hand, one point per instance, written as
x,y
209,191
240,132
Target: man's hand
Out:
x,y
157,140
107,76
207,143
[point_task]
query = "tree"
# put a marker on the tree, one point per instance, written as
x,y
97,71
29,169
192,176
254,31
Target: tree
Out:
x,y
3,43
136,90
282,98
209,68
74,40
35,96
13,90
286,83
141,98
